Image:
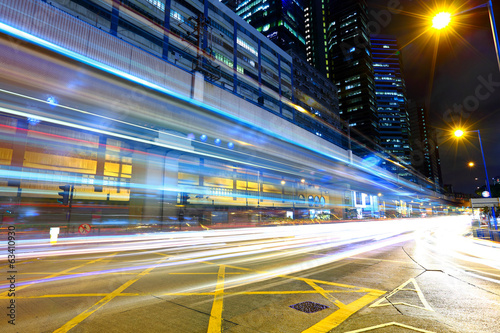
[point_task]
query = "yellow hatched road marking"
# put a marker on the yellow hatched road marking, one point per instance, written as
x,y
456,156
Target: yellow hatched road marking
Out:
x,y
344,311
215,320
342,314
84,315
215,323
61,273
325,294
358,289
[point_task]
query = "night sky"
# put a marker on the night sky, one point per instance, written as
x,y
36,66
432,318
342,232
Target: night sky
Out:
x,y
465,61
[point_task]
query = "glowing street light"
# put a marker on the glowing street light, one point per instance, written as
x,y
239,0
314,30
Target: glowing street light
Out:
x,y
471,164
441,20
459,133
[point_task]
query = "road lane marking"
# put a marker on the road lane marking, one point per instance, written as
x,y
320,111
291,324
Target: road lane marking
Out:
x,y
215,323
325,294
366,329
85,314
426,306
344,312
236,293
60,273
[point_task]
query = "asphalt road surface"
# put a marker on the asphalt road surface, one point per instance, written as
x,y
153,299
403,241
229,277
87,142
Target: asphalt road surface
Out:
x,y
389,276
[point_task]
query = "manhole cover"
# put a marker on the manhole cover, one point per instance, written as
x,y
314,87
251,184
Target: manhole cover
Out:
x,y
308,307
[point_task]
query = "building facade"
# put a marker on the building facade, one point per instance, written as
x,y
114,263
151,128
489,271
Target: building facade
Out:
x,y
425,149
315,34
280,21
392,104
315,93
351,68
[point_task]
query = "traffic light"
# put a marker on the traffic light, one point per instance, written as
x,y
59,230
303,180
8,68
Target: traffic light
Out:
x,y
185,198
64,194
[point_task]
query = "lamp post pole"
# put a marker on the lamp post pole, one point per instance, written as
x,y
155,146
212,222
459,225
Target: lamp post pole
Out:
x,y
494,31
487,178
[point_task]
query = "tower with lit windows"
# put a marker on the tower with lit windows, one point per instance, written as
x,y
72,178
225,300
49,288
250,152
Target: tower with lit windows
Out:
x,y
315,22
392,104
425,149
282,21
351,68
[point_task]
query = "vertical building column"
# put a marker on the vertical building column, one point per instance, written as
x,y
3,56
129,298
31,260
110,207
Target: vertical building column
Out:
x,y
115,17
19,144
170,190
166,30
18,154
154,185
101,163
201,177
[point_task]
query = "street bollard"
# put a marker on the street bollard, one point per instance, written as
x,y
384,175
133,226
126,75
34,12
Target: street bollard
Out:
x,y
54,232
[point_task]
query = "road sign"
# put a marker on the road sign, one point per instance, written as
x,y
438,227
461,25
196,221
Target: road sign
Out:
x,y
84,229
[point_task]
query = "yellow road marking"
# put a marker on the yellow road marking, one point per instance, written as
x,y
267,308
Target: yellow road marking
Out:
x,y
82,316
297,278
325,294
342,314
289,292
60,273
390,324
344,311
402,288
215,323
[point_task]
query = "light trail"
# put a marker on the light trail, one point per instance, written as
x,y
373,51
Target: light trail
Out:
x,y
238,245
324,152
448,245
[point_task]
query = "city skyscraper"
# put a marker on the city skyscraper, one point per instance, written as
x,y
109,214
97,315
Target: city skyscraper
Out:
x,y
280,21
392,104
351,69
315,34
425,149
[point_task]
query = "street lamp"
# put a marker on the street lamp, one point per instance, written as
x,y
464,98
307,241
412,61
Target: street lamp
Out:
x,y
441,20
459,133
471,164
494,31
